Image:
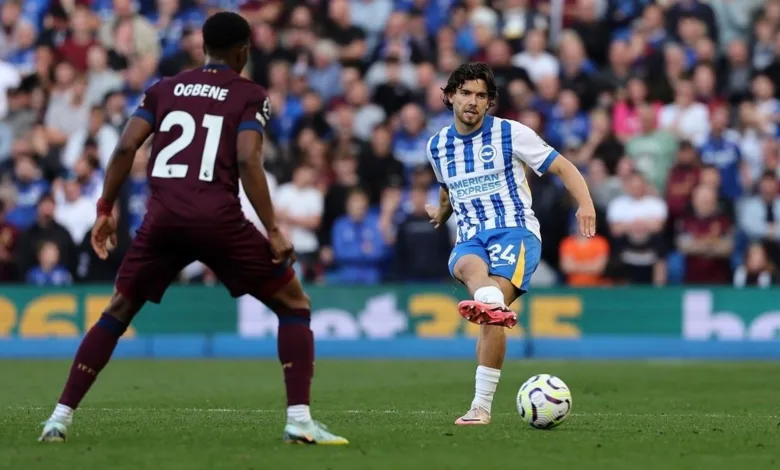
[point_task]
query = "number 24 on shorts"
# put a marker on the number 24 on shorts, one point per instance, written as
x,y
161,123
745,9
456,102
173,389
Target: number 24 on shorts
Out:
x,y
501,258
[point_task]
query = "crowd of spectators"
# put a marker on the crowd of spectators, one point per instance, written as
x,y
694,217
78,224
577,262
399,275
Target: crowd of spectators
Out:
x,y
669,108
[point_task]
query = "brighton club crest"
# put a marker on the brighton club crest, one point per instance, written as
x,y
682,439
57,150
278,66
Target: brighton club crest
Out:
x,y
487,153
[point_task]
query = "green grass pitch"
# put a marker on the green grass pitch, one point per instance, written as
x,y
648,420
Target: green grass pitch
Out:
x,y
166,415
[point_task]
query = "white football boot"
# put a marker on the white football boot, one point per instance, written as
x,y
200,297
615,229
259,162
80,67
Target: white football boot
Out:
x,y
475,417
54,431
311,432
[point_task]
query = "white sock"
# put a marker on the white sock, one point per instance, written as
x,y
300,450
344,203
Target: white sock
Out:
x,y
299,413
63,414
489,295
485,388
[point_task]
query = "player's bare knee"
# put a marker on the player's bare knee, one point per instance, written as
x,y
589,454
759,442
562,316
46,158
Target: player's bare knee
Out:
x,y
292,296
299,302
291,303
121,309
292,311
469,270
462,270
305,302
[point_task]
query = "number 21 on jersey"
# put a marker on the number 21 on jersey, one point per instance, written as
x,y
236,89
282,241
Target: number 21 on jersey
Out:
x,y
213,125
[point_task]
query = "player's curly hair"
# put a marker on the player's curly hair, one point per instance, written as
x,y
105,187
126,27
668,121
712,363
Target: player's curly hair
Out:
x,y
225,29
467,72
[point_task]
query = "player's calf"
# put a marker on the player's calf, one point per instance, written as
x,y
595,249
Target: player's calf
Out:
x,y
295,347
491,294
296,354
92,356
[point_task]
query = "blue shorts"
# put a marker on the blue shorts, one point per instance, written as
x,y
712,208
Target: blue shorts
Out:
x,y
512,253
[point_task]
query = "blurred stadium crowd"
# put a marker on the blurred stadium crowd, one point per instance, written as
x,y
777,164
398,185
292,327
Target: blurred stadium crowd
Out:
x,y
669,108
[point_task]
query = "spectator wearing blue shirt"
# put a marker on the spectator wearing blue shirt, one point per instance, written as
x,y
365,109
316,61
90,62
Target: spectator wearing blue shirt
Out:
x,y
359,248
44,229
170,26
22,56
104,9
30,186
438,114
545,101
653,24
434,11
621,14
568,126
723,153
138,80
88,173
397,41
325,75
410,141
688,31
33,10
49,271
287,107
465,43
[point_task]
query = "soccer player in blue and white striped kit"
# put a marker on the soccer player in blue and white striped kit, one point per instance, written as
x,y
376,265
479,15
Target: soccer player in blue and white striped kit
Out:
x,y
480,164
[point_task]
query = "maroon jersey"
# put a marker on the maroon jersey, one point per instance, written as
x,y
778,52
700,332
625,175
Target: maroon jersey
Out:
x,y
679,187
193,171
193,212
701,269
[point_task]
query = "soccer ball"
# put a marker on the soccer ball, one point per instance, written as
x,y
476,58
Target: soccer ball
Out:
x,y
544,401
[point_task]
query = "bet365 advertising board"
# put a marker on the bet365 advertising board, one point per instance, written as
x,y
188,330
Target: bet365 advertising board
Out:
x,y
411,311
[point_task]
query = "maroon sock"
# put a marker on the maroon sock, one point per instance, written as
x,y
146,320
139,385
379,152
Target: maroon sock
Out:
x,y
296,353
93,354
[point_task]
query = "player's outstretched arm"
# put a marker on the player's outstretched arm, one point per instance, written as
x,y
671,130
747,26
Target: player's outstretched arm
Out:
x,y
575,183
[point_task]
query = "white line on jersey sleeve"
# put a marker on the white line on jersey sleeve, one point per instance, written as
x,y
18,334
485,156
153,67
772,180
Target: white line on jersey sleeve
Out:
x,y
528,147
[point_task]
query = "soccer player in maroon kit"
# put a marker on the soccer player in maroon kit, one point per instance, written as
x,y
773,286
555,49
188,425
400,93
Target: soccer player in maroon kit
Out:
x,y
208,131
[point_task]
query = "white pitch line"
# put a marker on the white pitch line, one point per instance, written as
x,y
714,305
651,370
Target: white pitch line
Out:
x,y
394,412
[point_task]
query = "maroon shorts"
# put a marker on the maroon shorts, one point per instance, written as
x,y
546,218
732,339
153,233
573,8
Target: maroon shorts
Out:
x,y
238,254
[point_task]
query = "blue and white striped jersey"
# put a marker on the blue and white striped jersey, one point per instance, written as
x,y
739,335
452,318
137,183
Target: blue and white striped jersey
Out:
x,y
484,173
